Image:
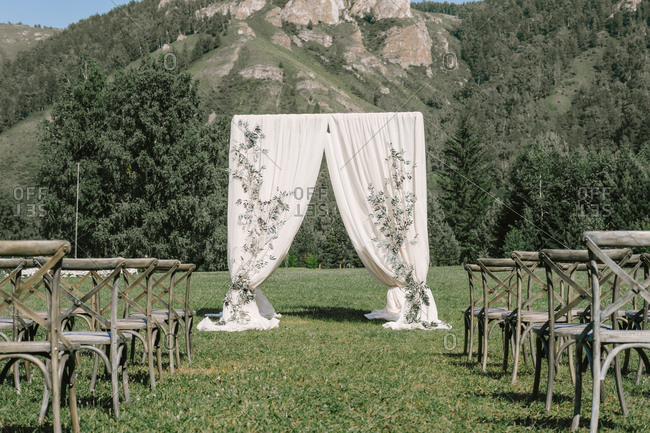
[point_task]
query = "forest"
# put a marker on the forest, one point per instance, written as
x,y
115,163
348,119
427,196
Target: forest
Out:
x,y
548,138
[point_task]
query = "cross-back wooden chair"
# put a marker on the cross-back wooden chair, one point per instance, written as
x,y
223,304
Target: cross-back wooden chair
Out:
x,y
54,356
138,298
162,310
17,328
567,304
499,281
636,318
475,306
81,296
175,311
526,313
596,336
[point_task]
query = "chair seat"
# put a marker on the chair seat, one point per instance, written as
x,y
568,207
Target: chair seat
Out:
x,y
528,316
622,336
632,314
131,323
161,314
475,310
493,313
568,330
8,323
11,347
90,337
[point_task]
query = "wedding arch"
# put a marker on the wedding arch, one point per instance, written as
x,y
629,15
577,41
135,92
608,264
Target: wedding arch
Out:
x,y
377,168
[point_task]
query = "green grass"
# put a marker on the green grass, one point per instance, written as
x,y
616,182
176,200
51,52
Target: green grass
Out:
x,y
327,368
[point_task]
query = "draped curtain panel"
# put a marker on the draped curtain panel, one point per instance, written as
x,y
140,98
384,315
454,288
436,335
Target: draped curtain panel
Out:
x,y
356,147
294,145
357,153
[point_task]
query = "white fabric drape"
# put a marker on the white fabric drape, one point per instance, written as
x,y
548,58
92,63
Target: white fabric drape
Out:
x,y
356,149
295,150
356,157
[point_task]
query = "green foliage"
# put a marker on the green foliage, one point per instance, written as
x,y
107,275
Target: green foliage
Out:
x,y
311,262
153,177
466,183
443,246
115,39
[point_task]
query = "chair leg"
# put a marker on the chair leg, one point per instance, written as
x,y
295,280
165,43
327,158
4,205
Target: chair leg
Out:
x,y
619,385
93,378
507,335
577,402
470,351
486,336
188,337
595,398
466,343
516,346
72,383
115,380
152,374
538,368
550,360
125,376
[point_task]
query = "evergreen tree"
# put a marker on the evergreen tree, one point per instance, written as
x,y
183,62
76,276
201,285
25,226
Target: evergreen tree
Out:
x,y
153,176
443,246
465,182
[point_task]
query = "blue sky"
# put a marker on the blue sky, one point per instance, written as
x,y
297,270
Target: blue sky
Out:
x,y
61,13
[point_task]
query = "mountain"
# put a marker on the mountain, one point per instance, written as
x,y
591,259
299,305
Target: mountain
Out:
x,y
15,38
257,56
551,87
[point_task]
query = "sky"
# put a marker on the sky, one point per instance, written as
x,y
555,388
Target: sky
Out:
x,y
61,13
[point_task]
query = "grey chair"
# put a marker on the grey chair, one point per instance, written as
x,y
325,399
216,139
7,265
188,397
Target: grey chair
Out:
x,y
596,337
54,356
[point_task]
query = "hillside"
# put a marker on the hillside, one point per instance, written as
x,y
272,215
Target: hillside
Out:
x,y
15,38
371,56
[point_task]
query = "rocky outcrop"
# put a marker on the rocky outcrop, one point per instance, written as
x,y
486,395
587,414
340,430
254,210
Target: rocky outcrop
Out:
x,y
380,9
315,35
317,11
262,72
273,17
408,46
245,30
280,38
240,9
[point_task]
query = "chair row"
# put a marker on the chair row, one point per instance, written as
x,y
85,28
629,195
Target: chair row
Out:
x,y
106,306
589,299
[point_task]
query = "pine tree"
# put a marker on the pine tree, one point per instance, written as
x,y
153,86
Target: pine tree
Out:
x,y
466,183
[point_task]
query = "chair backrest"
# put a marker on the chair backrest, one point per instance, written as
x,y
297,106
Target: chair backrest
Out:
x,y
183,275
630,287
568,266
473,274
138,287
81,291
527,262
15,296
499,281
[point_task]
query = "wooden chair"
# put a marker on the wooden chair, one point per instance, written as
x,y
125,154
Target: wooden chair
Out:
x,y
499,283
559,332
137,295
20,328
596,336
55,356
82,297
519,323
475,306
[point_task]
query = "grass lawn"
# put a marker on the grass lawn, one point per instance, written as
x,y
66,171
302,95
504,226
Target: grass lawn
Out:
x,y
327,368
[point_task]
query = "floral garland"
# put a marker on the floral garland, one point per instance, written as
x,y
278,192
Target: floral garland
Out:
x,y
394,217
260,218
